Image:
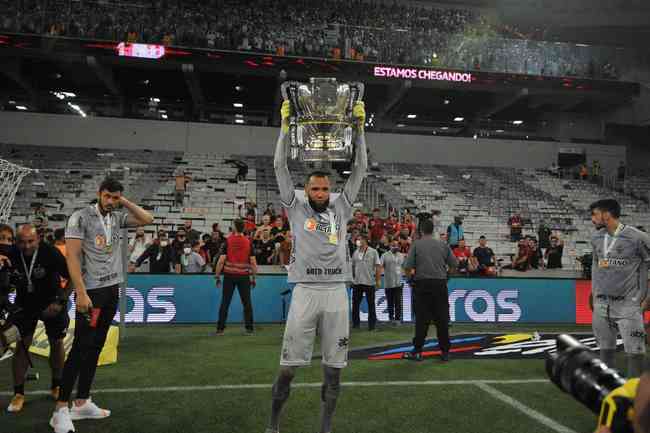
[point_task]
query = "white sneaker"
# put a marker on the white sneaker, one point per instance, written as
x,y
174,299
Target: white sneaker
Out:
x,y
88,410
61,422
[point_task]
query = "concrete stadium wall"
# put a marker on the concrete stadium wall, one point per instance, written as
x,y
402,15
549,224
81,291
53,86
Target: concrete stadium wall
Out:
x,y
115,133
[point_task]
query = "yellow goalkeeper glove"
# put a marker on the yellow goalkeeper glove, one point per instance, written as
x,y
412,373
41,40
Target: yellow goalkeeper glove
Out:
x,y
359,112
285,112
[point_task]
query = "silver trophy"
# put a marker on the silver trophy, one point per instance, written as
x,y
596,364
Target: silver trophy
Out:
x,y
321,126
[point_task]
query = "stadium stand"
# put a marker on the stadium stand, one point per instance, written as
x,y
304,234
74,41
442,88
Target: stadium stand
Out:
x,y
484,196
68,177
398,33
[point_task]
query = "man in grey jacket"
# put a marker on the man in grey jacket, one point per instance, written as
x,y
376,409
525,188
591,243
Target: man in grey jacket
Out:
x,y
427,263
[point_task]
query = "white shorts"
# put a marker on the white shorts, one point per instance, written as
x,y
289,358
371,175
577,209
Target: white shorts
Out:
x,y
325,310
606,330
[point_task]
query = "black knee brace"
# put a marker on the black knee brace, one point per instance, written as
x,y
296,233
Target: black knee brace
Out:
x,y
282,386
331,384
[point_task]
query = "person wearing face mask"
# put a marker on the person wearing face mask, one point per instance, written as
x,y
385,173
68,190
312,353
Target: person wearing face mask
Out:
x,y
191,261
320,268
391,262
137,247
160,255
366,269
41,297
619,285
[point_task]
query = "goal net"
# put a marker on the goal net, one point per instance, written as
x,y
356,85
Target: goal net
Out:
x,y
11,175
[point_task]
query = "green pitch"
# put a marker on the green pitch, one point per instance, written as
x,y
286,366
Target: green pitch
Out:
x,y
171,379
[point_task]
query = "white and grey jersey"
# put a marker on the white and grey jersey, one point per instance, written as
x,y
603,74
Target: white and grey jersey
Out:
x,y
319,253
620,275
101,261
364,265
392,263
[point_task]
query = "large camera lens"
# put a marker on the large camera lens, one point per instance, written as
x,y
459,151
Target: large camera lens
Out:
x,y
577,370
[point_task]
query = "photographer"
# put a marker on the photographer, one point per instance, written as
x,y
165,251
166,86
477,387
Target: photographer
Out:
x,y
38,268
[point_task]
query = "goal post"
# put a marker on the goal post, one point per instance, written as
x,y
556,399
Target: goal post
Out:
x,y
11,176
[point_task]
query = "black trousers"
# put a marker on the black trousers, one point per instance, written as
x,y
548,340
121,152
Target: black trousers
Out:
x,y
88,344
394,299
431,303
357,295
243,285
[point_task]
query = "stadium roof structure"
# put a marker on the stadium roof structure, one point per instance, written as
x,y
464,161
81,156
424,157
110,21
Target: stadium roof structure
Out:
x,y
102,78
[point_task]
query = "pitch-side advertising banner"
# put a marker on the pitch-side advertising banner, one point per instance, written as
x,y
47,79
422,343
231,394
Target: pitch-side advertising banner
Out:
x,y
195,299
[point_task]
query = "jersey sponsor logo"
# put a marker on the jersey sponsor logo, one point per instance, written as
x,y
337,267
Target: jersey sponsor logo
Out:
x,y
324,271
100,241
616,262
108,277
481,346
311,225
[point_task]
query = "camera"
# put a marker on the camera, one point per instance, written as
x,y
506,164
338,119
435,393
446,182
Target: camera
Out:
x,y
578,371
586,260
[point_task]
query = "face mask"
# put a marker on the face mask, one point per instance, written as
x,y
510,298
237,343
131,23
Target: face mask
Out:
x,y
358,243
163,243
393,249
187,250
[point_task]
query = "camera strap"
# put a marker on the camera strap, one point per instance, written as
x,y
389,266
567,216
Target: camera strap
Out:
x,y
30,285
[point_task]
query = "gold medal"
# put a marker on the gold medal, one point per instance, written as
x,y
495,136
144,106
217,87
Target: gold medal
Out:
x,y
603,263
109,249
333,238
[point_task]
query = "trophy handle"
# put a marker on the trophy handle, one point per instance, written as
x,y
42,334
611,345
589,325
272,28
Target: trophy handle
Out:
x,y
356,94
289,90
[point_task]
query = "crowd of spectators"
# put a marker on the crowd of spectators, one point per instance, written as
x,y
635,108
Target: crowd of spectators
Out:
x,y
357,29
352,29
186,250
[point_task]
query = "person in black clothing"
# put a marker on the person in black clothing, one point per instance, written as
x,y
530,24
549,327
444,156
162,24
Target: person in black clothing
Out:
x,y
427,264
41,296
264,249
554,253
215,245
536,256
485,257
177,247
544,234
160,254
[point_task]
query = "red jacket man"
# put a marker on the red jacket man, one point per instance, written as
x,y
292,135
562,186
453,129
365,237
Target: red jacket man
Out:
x,y
239,267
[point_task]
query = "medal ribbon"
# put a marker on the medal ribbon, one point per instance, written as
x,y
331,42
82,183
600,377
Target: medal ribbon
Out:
x,y
607,248
107,225
31,267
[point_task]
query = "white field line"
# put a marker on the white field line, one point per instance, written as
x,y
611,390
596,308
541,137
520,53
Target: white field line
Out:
x,y
158,389
529,412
